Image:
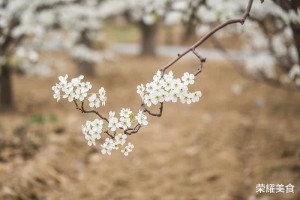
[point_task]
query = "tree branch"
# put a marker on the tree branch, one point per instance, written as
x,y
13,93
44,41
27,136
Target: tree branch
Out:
x,y
133,130
240,20
136,128
82,109
154,114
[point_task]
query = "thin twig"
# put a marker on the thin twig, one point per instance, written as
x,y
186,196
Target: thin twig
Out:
x,y
111,136
192,49
209,34
131,131
82,109
154,114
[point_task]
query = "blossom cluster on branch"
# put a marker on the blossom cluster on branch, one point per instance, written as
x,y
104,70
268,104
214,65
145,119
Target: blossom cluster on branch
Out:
x,y
270,29
163,88
77,26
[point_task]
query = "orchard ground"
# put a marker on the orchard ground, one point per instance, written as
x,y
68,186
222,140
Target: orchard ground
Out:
x,y
240,134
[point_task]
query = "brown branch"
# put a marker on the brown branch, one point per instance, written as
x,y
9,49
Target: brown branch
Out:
x,y
192,49
201,59
154,114
82,109
131,131
240,20
111,136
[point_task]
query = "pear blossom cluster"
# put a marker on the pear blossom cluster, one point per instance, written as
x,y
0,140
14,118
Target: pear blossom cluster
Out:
x,y
128,148
123,122
97,100
77,90
163,88
115,144
92,131
126,119
166,88
73,90
141,118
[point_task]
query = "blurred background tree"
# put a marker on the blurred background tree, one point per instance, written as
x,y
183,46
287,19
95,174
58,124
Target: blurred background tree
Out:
x,y
75,26
273,30
250,129
28,28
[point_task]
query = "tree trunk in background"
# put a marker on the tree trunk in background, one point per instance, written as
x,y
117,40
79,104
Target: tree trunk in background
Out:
x,y
296,33
291,4
169,35
148,38
85,68
6,99
190,26
189,32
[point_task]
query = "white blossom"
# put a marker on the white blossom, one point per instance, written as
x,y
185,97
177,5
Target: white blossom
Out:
x,y
188,79
124,122
111,144
141,90
94,102
120,139
125,112
107,146
113,123
141,118
92,131
128,149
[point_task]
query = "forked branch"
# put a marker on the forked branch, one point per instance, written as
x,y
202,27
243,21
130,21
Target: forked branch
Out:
x,y
202,60
240,20
193,48
82,109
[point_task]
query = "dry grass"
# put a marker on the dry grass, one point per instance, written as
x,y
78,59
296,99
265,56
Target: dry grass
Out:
x,y
217,149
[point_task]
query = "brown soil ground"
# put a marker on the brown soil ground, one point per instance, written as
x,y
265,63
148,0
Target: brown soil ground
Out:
x,y
219,148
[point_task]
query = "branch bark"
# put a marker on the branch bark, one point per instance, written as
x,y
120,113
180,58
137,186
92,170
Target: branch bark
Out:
x,y
240,20
136,128
82,109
